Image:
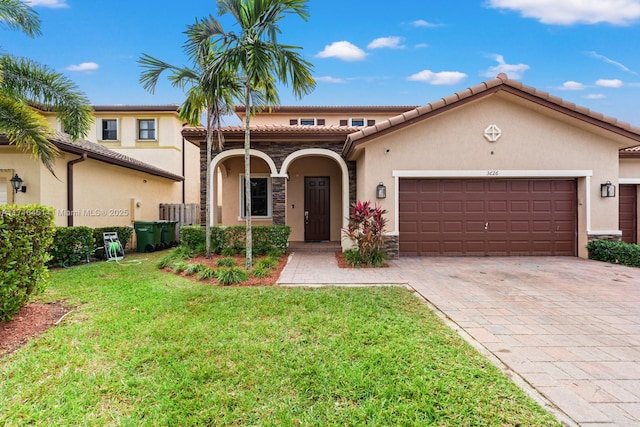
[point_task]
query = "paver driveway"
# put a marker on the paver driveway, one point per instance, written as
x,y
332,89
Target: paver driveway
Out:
x,y
569,327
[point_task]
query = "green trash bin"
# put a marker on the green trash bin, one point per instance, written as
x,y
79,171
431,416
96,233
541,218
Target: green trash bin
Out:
x,y
147,235
168,235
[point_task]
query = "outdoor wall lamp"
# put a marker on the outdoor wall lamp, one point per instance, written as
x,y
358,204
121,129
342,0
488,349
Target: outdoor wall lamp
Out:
x,y
381,191
16,183
607,190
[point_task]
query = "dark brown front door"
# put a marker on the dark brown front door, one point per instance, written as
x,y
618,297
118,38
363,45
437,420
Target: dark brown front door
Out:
x,y
316,208
629,213
488,217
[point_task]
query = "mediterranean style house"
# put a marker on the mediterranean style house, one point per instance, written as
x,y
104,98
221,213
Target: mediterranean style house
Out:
x,y
133,159
495,170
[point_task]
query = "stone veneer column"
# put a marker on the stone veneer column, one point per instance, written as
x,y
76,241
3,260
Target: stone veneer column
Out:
x,y
278,200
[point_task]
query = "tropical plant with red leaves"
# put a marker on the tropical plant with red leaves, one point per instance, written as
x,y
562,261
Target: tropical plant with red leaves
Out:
x,y
366,229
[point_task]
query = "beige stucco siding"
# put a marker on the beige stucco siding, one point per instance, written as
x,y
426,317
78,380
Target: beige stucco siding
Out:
x,y
630,169
454,141
104,194
231,171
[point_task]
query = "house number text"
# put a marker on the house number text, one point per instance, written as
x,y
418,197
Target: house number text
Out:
x,y
493,173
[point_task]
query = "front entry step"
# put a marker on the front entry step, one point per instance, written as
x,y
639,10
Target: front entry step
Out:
x,y
315,247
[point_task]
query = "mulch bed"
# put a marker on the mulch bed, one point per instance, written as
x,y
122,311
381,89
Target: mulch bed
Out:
x,y
240,261
32,320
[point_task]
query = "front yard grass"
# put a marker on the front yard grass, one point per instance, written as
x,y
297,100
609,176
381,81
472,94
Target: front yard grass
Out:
x,y
145,347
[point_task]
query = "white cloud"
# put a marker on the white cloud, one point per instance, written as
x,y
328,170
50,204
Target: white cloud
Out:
x,y
571,85
614,83
514,71
84,66
425,24
610,61
392,42
54,4
421,45
329,79
616,12
594,96
440,78
343,50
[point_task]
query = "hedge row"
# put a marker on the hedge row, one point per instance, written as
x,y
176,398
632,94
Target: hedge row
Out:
x,y
232,239
26,232
74,245
615,252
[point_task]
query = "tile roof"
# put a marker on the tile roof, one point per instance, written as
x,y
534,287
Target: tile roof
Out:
x,y
297,131
98,152
334,108
133,108
501,82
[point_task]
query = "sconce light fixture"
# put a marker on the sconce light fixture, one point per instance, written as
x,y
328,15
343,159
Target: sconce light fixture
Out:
x,y
607,189
381,191
16,183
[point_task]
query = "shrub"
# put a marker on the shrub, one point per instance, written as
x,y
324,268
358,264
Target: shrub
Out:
x,y
71,245
233,275
268,262
261,271
206,273
230,241
179,266
192,269
366,228
180,253
353,257
26,234
615,252
226,262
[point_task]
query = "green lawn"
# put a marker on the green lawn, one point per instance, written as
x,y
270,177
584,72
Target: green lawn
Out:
x,y
143,347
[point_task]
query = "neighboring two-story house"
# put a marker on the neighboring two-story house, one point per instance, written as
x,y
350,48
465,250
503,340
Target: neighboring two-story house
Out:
x,y
133,159
495,170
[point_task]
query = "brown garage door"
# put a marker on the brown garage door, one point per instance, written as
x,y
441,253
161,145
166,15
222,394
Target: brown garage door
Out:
x,y
629,213
478,217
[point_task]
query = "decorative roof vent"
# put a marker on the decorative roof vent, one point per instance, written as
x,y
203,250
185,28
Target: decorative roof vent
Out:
x,y
492,133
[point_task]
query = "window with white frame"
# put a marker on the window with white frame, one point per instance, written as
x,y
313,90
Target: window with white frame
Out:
x,y
147,129
307,122
4,196
260,196
108,130
357,121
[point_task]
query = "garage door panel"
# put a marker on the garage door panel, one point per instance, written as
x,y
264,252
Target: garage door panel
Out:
x,y
491,217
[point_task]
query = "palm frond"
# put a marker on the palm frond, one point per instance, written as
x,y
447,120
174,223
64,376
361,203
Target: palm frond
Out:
x,y
27,129
30,82
18,15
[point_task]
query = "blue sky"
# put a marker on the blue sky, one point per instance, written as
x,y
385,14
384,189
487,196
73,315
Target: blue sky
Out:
x,y
405,52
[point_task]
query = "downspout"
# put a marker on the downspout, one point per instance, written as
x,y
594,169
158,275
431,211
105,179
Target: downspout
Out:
x,y
183,172
70,213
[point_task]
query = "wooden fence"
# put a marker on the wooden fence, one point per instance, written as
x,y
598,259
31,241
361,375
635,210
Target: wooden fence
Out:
x,y
183,213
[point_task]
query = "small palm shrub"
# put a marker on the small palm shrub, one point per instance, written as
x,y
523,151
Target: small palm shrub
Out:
x,y
232,275
179,266
353,257
268,262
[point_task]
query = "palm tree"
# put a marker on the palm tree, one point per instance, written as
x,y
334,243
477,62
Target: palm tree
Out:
x,y
255,54
26,86
211,95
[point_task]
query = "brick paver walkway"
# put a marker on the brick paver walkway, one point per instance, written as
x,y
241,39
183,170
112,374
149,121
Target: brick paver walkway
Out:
x,y
569,328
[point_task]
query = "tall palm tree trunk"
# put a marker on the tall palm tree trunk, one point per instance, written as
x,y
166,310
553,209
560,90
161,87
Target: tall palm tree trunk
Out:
x,y
208,183
247,177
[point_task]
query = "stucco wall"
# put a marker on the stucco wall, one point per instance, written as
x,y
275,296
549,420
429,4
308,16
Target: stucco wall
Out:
x,y
530,141
630,168
104,194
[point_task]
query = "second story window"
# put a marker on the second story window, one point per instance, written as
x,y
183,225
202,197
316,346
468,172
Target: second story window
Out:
x,y
307,122
355,122
147,129
109,130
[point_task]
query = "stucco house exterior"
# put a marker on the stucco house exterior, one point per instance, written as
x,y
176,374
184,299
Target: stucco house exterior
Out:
x,y
498,169
133,159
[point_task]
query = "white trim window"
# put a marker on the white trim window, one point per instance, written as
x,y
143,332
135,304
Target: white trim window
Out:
x,y
4,192
108,129
260,196
307,121
147,129
357,122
